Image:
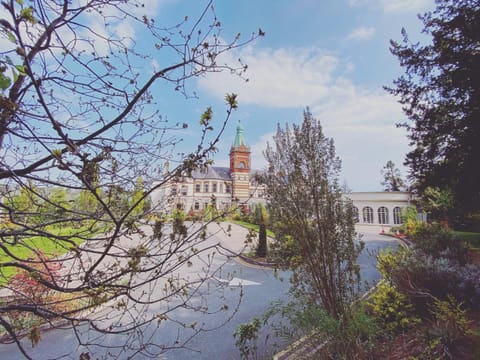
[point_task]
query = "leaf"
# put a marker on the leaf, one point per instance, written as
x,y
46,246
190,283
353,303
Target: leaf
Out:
x,y
4,82
11,37
21,69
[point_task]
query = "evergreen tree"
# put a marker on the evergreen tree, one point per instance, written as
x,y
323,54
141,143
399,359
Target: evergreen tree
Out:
x,y
440,93
392,180
313,225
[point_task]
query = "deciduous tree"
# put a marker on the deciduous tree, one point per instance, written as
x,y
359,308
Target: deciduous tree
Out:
x,y
79,111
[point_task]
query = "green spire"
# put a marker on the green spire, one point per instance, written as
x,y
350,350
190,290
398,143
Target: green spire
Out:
x,y
239,139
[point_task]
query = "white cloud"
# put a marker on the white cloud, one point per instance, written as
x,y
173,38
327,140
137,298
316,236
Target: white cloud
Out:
x,y
361,121
278,78
398,6
394,6
362,33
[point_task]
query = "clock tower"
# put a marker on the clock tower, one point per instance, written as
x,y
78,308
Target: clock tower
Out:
x,y
240,166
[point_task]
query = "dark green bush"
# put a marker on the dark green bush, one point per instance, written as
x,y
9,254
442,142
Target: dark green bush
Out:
x,y
437,241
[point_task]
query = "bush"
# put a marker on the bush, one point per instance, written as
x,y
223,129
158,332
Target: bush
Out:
x,y
391,308
447,328
438,241
423,277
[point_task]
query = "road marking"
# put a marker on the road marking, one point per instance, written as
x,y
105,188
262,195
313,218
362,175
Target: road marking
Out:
x,y
237,282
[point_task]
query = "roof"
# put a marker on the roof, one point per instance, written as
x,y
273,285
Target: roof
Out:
x,y
239,138
213,172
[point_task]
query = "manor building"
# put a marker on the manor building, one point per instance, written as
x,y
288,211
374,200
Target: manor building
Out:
x,y
223,187
219,186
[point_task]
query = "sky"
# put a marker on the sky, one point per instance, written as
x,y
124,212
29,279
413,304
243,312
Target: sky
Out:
x,y
331,56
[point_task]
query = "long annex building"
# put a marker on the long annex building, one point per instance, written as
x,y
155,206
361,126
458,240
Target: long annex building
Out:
x,y
223,187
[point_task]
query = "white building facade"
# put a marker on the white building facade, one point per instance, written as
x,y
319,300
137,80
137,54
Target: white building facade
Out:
x,y
224,187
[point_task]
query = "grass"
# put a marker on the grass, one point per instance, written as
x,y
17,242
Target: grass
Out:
x,y
472,238
48,246
253,227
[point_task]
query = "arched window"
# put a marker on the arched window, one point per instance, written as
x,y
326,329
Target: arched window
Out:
x,y
241,165
382,215
367,215
397,215
356,216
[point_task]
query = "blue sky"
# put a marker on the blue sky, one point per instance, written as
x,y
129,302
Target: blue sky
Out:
x,y
329,55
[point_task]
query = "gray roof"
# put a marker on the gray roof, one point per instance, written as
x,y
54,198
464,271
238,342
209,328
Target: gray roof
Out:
x,y
213,172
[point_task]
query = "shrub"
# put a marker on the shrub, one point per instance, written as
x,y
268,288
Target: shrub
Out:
x,y
445,331
438,241
423,277
392,309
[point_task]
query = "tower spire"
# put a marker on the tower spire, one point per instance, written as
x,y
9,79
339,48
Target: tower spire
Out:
x,y
239,137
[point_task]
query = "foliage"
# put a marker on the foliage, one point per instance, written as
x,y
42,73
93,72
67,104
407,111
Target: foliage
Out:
x,y
410,220
391,308
449,323
346,338
262,241
246,336
439,94
438,203
423,278
437,241
392,180
83,146
313,225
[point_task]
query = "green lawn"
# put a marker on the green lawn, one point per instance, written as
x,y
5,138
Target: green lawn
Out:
x,y
472,238
252,227
48,246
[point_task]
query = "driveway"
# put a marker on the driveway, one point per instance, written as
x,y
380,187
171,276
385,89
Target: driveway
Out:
x,y
246,292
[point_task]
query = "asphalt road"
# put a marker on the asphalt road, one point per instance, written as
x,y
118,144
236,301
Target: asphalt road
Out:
x,y
246,292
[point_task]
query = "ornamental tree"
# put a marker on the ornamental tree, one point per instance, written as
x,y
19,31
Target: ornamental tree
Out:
x,y
80,115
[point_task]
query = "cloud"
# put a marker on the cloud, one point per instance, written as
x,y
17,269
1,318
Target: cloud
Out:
x,y
394,6
361,33
400,6
285,77
360,120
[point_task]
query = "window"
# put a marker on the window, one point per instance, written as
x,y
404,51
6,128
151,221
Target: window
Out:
x,y
205,204
397,215
367,215
205,187
184,191
228,189
382,215
173,191
221,188
197,205
197,187
356,216
179,206
214,187
241,165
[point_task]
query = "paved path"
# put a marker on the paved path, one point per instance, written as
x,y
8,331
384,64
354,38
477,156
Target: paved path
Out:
x,y
260,288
